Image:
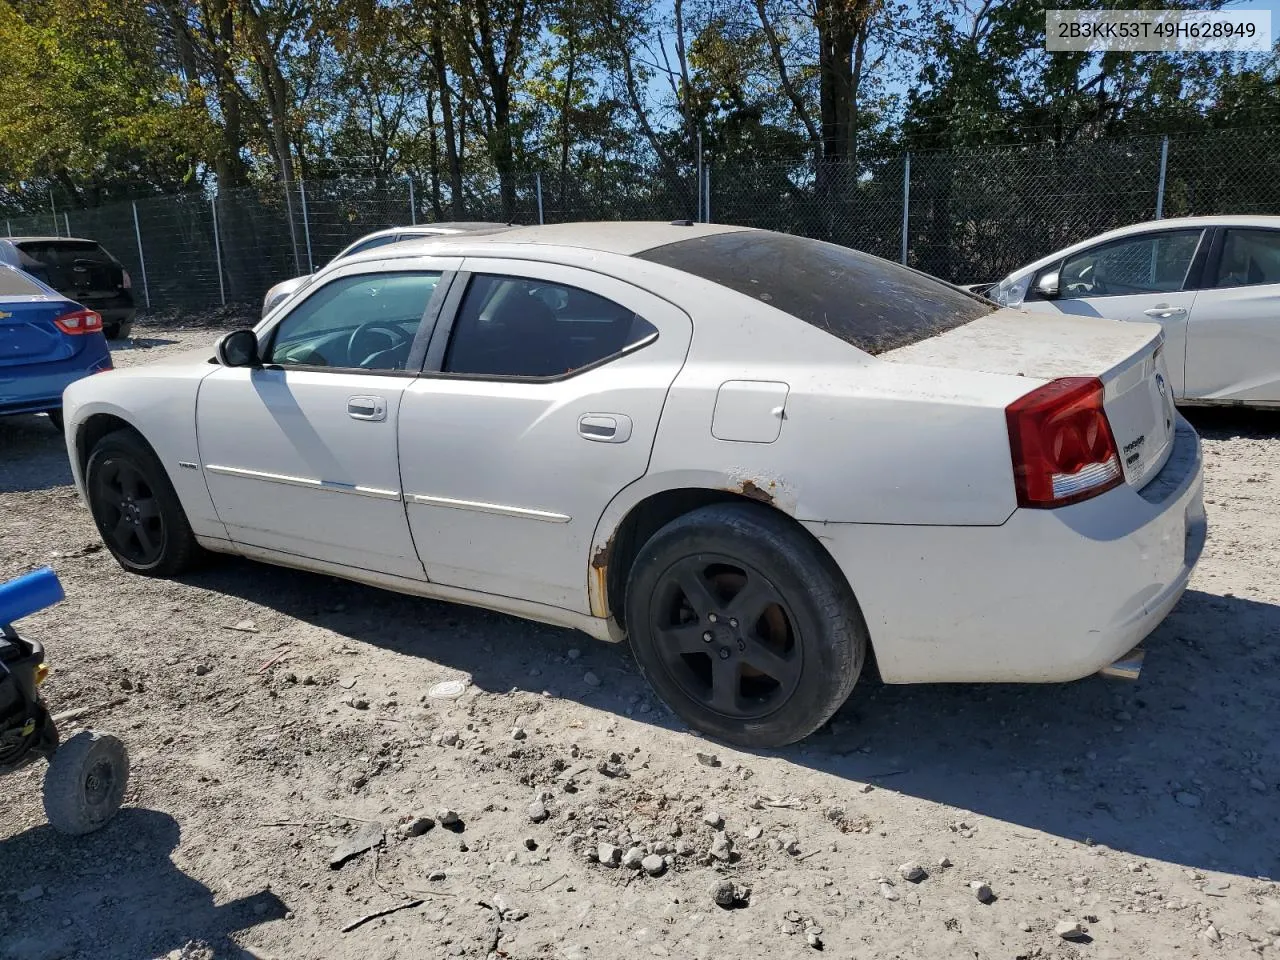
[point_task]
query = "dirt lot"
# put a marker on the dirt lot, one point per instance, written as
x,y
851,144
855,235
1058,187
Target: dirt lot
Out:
x,y
1145,812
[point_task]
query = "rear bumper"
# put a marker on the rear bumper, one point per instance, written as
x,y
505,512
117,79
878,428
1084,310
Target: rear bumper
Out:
x,y
38,388
1050,595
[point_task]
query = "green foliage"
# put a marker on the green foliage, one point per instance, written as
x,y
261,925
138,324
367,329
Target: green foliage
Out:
x,y
109,98
87,108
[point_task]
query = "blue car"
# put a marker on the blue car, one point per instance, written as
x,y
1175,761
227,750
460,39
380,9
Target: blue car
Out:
x,y
46,342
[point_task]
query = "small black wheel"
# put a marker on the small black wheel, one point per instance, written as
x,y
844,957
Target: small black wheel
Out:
x,y
85,783
136,509
117,330
743,625
55,419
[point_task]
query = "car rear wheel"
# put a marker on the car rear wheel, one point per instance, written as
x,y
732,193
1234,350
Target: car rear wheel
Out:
x,y
743,626
136,508
117,330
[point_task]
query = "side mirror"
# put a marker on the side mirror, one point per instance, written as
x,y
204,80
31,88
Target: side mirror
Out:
x,y
1047,285
239,348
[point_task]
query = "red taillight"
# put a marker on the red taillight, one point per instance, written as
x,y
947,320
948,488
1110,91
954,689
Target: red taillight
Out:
x,y
1063,450
79,321
126,281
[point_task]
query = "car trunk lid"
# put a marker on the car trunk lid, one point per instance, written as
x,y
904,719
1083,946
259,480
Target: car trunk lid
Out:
x,y
28,334
1128,358
79,268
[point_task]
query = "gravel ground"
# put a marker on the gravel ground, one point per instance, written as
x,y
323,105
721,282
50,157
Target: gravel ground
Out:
x,y
279,720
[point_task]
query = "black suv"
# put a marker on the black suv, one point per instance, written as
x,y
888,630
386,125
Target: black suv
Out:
x,y
82,271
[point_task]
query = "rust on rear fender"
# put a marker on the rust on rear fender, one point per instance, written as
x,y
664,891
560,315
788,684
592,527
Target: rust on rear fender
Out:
x,y
599,573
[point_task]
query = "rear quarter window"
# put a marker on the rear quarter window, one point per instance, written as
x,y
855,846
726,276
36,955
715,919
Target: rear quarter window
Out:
x,y
863,300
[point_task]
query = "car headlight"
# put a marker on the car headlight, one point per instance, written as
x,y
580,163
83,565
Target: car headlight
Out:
x,y
1011,291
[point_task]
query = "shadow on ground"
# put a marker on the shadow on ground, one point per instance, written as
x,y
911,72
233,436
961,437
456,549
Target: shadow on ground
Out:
x,y
118,887
1097,760
32,454
1226,423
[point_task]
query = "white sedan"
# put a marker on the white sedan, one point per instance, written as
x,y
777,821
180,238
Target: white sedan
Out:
x,y
379,238
1213,283
760,458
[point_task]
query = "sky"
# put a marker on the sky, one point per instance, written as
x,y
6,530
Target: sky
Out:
x,y
658,85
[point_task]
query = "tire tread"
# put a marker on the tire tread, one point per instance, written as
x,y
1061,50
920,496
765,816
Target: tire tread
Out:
x,y
845,637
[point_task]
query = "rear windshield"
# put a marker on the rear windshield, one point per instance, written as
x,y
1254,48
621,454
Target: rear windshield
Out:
x,y
62,253
865,301
16,284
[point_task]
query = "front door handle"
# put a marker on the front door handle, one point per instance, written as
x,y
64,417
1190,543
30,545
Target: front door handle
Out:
x,y
1164,312
367,408
605,427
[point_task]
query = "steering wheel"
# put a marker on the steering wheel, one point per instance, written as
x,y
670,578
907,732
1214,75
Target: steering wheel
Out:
x,y
1087,283
395,337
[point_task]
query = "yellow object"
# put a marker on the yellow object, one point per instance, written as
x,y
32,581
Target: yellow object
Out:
x,y
28,728
42,673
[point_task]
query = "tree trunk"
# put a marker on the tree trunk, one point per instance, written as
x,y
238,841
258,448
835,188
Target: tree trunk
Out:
x,y
566,105
503,154
784,77
433,155
836,40
452,140
277,92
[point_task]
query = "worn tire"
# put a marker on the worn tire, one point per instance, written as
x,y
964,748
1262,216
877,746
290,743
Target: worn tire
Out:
x,y
117,330
179,550
85,783
826,625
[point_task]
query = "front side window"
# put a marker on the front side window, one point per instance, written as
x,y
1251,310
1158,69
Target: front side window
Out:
x,y
1153,263
1249,257
518,327
367,322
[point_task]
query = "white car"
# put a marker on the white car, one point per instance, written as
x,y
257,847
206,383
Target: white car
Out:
x,y
381,238
759,457
1213,283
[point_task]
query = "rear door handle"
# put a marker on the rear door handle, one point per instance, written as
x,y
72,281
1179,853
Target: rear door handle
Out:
x,y
367,408
1164,312
605,427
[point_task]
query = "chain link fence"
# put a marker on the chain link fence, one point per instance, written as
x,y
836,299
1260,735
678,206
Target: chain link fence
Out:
x,y
967,217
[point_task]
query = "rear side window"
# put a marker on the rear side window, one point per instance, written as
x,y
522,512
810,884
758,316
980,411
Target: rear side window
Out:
x,y
870,303
62,253
519,327
15,284
1249,257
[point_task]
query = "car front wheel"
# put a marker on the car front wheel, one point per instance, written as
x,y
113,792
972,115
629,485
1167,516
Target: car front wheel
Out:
x,y
743,626
136,508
